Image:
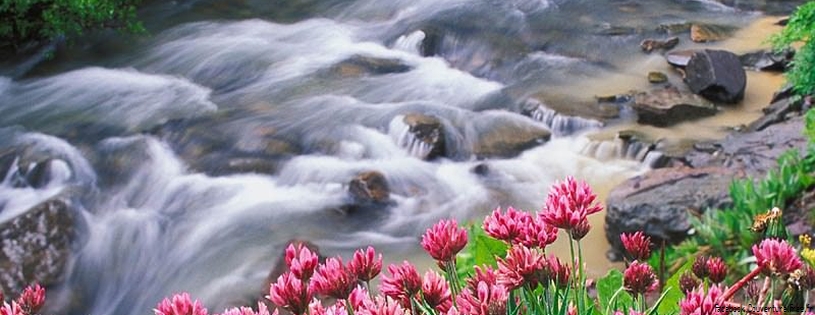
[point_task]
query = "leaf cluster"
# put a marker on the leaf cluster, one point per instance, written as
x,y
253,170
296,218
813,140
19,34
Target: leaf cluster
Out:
x,y
26,21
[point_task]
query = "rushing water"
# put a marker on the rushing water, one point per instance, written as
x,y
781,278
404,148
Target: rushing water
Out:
x,y
142,132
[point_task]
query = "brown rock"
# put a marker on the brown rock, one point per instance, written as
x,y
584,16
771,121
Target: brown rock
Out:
x,y
702,33
507,140
429,130
649,45
668,106
370,186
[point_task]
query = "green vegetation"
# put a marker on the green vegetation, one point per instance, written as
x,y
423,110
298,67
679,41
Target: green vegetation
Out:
x,y
26,21
800,28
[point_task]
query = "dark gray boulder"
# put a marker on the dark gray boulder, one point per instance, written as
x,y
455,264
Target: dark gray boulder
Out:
x,y
660,201
717,75
36,246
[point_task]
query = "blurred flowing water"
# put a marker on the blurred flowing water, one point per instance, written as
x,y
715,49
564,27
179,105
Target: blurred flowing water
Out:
x,y
138,128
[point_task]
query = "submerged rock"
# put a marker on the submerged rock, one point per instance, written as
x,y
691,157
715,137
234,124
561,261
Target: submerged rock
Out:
x,y
36,246
702,33
649,45
717,75
359,65
669,106
657,77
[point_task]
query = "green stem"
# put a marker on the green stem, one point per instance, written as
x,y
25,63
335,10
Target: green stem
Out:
x,y
349,307
582,288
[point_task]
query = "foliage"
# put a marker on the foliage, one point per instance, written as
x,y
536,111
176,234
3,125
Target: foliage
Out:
x,y
39,20
800,28
726,233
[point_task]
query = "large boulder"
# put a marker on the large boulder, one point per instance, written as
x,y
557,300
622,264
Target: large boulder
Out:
x,y
716,75
669,106
660,201
36,246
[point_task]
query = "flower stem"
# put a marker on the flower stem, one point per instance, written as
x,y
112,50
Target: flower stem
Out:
x,y
740,284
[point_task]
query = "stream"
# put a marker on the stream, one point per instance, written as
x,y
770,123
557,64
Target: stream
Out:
x,y
195,152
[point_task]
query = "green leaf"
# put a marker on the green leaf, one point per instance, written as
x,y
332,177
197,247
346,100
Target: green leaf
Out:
x,y
610,293
671,298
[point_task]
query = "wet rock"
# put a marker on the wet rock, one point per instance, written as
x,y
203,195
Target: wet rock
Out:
x,y
657,77
668,106
674,28
775,113
571,106
221,145
359,65
369,187
766,60
36,246
424,137
717,75
679,58
649,45
702,33
558,122
754,153
660,202
508,140
613,30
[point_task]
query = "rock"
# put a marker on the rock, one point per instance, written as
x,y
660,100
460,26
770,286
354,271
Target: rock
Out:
x,y
571,106
369,187
717,75
36,246
798,216
359,65
612,30
775,112
659,202
766,60
657,77
702,33
507,139
674,28
668,106
425,136
222,145
679,58
753,153
649,45
558,122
